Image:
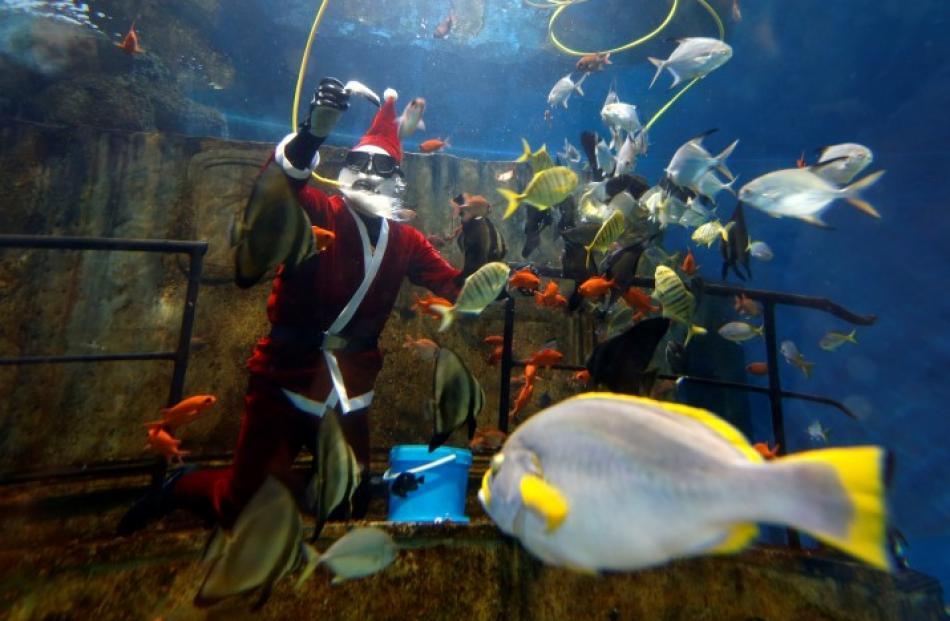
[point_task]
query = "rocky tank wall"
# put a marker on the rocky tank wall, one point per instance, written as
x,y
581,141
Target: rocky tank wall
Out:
x,y
80,181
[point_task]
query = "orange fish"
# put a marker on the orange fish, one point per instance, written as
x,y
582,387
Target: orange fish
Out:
x,y
593,62
801,160
765,451
434,144
444,27
495,355
757,368
548,297
426,349
475,206
530,371
130,44
545,358
689,266
184,412
496,339
595,286
322,237
525,279
581,378
162,443
523,396
747,306
488,440
423,304
639,299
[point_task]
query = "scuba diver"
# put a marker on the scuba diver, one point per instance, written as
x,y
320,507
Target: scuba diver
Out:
x,y
326,313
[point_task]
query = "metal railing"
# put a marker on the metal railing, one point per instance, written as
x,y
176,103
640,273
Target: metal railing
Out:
x,y
195,251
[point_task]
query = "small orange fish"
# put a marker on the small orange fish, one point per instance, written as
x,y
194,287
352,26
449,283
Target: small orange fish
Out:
x,y
581,378
593,62
689,266
322,237
426,349
757,368
747,306
475,206
639,299
184,412
525,279
595,286
495,355
523,397
444,27
765,451
801,160
162,443
422,305
530,371
486,441
559,301
495,339
545,358
130,43
548,297
434,144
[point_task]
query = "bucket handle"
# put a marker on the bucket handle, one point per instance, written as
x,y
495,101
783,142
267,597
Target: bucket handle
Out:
x,y
387,476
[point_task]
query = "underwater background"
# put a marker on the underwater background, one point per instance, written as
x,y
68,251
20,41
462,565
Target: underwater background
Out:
x,y
804,74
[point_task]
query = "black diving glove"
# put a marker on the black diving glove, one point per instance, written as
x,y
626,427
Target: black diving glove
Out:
x,y
328,103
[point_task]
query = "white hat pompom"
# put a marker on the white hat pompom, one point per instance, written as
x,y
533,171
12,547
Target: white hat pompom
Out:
x,y
390,93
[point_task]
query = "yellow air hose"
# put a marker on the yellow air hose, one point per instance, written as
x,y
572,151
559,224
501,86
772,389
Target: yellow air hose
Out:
x,y
562,5
300,76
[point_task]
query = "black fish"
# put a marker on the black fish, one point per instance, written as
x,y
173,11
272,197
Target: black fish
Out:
x,y
676,191
535,221
589,144
545,400
736,250
574,259
676,357
481,242
406,482
620,363
636,185
458,398
568,214
621,264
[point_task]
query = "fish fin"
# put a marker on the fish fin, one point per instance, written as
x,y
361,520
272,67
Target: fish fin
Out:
x,y
807,367
724,233
816,221
446,313
852,190
310,559
317,528
721,160
524,157
421,125
545,500
851,337
693,329
215,546
676,79
337,580
852,517
738,538
438,439
514,199
659,64
577,85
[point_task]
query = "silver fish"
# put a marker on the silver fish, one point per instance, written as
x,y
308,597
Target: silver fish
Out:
x,y
819,433
358,88
694,57
411,118
691,161
761,251
570,152
336,472
803,194
626,157
833,340
563,88
361,552
795,358
622,116
851,158
709,185
738,331
606,160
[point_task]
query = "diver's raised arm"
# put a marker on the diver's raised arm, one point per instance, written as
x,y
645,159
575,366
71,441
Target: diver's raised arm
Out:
x,y
298,153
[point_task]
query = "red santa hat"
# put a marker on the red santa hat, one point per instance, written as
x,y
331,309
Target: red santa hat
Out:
x,y
383,134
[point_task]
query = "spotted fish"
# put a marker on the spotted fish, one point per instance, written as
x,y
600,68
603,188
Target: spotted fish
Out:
x,y
546,189
609,232
678,303
480,290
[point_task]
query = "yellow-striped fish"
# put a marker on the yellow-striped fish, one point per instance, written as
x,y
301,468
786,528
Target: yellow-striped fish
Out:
x,y
608,233
708,233
481,288
678,303
546,189
540,159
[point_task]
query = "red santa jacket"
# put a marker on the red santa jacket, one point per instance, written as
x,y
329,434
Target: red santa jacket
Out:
x,y
313,296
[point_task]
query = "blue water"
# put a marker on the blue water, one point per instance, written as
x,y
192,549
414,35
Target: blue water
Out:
x,y
804,74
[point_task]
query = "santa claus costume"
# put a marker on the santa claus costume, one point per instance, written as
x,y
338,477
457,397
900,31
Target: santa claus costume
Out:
x,y
321,352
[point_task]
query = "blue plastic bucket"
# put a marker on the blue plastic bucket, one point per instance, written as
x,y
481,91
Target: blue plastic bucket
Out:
x,y
440,496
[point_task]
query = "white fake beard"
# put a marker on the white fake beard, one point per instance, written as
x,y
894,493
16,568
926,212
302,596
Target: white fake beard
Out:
x,y
374,203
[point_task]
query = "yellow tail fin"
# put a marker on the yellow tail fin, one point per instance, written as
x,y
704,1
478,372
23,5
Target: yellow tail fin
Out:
x,y
527,151
514,199
447,313
859,471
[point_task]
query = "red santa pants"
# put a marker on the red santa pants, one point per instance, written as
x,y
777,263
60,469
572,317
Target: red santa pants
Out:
x,y
272,433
